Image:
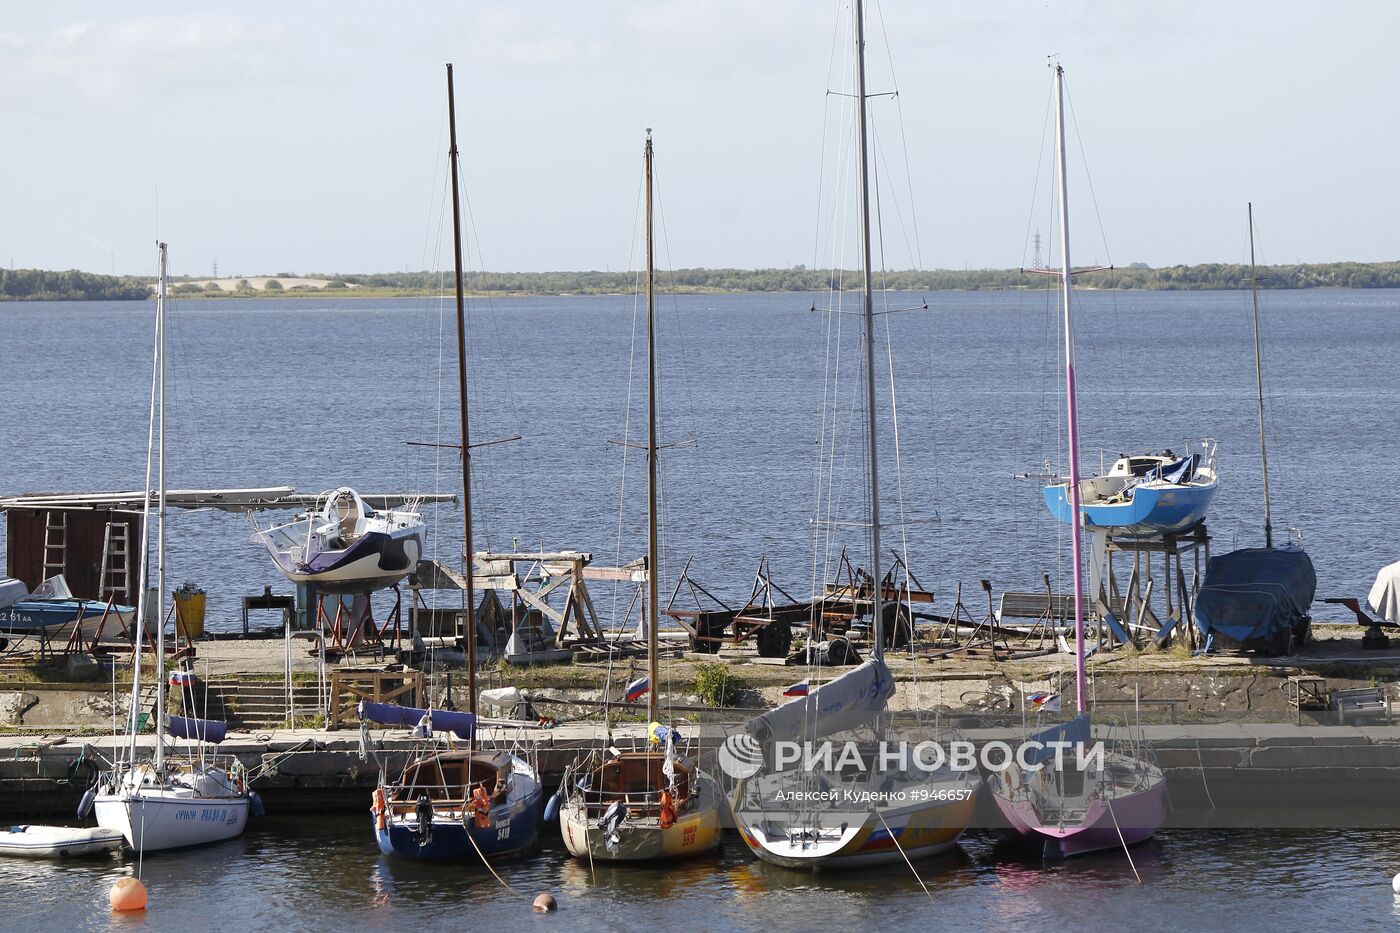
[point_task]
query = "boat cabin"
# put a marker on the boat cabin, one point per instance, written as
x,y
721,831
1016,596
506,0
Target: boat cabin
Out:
x,y
637,779
453,778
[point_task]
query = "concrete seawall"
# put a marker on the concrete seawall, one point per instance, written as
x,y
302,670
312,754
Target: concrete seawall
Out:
x,y
1227,775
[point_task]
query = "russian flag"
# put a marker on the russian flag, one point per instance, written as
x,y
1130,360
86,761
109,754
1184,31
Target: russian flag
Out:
x,y
181,678
796,690
1046,701
637,689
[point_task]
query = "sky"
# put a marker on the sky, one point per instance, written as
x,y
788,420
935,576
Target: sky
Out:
x,y
310,137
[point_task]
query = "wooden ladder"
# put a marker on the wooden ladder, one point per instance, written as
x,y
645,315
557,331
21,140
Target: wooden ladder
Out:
x,y
55,543
116,562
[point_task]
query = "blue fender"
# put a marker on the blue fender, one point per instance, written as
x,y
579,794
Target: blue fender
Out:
x,y
551,809
255,804
85,805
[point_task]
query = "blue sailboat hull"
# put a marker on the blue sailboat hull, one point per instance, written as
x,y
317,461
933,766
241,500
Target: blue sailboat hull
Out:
x,y
1152,510
513,829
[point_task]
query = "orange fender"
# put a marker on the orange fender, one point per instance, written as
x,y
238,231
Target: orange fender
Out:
x,y
481,808
381,811
667,818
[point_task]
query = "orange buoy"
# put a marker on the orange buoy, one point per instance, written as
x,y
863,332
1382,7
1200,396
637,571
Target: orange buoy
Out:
x,y
128,894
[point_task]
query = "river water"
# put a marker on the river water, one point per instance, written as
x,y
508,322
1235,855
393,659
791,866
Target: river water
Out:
x,y
291,873
318,392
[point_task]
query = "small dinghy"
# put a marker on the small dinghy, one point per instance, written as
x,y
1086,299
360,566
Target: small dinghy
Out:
x,y
57,841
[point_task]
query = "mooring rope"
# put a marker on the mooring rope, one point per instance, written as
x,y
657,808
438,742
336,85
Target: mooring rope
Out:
x,y
1123,841
895,840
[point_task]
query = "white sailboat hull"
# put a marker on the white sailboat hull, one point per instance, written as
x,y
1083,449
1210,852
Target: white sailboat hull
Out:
x,y
155,819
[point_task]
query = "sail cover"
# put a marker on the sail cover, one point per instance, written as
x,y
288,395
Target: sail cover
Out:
x,y
1255,593
201,730
850,700
462,725
1076,732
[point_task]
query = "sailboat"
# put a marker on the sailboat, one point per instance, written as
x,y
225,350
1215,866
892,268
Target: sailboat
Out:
x,y
166,801
861,810
653,802
1120,798
344,546
450,803
1258,598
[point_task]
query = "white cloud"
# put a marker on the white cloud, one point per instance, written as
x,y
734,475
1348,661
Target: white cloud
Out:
x,y
108,61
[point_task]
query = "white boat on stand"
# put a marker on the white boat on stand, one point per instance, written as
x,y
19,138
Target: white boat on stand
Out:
x,y
164,801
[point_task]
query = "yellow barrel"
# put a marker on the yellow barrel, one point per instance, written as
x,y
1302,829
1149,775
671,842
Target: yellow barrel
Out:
x,y
189,614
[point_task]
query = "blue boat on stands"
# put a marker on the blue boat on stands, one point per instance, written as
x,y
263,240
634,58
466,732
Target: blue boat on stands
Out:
x,y
52,611
1144,495
450,803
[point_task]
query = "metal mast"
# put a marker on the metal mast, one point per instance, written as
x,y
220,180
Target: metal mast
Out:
x,y
868,339
1071,401
468,568
1259,383
653,647
160,518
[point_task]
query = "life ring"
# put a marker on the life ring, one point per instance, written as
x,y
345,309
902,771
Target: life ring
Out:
x,y
380,810
667,816
480,807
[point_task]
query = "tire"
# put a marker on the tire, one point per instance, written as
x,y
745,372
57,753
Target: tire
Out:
x,y
774,640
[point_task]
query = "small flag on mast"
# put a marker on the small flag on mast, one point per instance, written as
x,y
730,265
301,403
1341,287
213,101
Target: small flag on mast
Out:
x,y
637,689
181,679
797,690
1045,701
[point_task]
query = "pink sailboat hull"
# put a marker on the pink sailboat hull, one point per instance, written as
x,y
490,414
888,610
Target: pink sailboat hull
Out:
x,y
1134,817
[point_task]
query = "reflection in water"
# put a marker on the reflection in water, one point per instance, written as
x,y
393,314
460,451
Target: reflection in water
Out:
x,y
306,874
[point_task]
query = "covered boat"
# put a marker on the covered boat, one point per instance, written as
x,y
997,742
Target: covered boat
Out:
x,y
53,611
1257,599
1144,495
344,546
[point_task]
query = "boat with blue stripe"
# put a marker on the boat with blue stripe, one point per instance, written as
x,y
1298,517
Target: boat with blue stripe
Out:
x,y
1143,495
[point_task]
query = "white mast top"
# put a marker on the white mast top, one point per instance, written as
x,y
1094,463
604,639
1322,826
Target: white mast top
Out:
x,y
1071,400
868,339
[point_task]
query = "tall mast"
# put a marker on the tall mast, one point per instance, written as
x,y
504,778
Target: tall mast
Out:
x,y
468,568
653,566
1259,383
868,339
160,519
1071,400
143,607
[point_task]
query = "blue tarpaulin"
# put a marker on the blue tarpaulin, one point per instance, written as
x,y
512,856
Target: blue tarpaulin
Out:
x,y
462,725
1252,595
203,730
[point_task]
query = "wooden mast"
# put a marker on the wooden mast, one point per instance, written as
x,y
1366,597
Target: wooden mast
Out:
x,y
653,614
468,570
1071,399
877,627
1259,383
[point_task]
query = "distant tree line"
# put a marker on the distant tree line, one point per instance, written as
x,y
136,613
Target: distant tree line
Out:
x,y
41,285
37,285
802,279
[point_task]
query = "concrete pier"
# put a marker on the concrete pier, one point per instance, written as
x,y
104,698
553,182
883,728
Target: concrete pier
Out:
x,y
1219,775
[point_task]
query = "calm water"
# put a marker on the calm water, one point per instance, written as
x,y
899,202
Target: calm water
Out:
x,y
315,393
300,874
